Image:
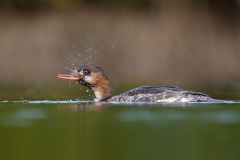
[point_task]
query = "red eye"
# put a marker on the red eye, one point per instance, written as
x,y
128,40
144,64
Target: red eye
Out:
x,y
85,72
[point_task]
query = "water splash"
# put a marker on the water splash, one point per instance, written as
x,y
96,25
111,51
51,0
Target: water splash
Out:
x,y
84,50
67,68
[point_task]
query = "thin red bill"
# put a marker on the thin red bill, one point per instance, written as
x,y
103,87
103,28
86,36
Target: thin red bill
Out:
x,y
68,77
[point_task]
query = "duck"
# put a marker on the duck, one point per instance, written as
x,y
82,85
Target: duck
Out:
x,y
95,79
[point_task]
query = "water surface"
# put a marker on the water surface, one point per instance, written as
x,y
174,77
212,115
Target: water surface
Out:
x,y
84,130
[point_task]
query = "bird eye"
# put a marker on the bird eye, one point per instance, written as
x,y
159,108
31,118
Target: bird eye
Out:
x,y
85,72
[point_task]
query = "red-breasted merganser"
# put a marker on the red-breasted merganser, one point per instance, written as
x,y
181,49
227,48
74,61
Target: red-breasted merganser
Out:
x,y
94,78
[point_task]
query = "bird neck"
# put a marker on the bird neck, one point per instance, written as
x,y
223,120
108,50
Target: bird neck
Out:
x,y
102,89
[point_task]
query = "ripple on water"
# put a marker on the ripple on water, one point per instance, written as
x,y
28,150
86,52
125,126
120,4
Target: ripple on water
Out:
x,y
57,102
226,115
23,117
47,101
169,116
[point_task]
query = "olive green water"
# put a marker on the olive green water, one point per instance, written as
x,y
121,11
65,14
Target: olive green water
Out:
x,y
68,130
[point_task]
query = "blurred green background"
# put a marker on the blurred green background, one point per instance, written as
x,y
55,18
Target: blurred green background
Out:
x,y
193,44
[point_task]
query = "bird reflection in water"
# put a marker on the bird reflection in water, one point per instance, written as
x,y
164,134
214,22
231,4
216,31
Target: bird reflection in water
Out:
x,y
83,107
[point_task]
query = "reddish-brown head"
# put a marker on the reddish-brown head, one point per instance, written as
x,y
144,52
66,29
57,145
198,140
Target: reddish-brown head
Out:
x,y
92,77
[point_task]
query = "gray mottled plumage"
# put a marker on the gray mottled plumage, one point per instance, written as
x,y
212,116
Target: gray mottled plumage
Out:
x,y
160,94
